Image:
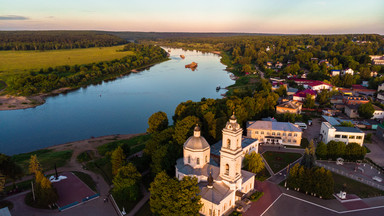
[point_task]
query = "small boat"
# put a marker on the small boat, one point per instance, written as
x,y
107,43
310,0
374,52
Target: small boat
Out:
x,y
182,56
218,88
193,65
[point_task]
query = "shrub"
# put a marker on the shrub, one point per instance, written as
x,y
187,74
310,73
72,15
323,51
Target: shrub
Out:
x,y
256,196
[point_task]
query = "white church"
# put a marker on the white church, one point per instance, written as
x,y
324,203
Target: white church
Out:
x,y
220,186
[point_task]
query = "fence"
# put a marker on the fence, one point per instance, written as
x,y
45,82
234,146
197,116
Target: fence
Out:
x,y
115,206
78,203
351,176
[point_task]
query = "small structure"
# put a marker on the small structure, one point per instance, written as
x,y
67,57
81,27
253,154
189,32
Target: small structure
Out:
x,y
193,65
289,107
351,111
344,134
340,161
342,195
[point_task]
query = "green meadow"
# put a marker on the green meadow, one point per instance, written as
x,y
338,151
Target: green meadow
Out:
x,y
12,62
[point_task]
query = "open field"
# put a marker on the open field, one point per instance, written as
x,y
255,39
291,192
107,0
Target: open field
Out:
x,y
279,160
354,187
21,61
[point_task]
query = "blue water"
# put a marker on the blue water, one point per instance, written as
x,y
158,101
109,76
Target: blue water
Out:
x,y
121,106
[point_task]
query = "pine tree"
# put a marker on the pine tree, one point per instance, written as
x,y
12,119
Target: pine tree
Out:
x,y
2,182
117,159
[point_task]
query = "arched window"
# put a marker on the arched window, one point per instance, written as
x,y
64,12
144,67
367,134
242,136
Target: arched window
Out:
x,y
228,143
206,158
189,159
230,203
226,169
198,161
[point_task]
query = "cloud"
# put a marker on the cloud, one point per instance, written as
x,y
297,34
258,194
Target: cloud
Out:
x,y
50,17
13,17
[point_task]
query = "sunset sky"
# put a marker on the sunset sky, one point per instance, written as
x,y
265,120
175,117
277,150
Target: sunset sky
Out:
x,y
256,16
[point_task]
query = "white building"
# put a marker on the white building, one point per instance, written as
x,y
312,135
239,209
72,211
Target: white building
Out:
x,y
380,87
347,71
344,134
280,133
319,86
378,113
220,186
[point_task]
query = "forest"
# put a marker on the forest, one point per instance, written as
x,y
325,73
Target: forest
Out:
x,y
51,78
54,40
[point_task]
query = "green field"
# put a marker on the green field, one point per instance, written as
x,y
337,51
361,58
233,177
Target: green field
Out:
x,y
20,61
279,160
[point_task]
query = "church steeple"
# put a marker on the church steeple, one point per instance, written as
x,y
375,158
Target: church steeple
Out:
x,y
231,151
196,131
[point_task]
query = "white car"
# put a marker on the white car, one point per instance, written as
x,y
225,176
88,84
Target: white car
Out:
x,y
309,122
377,178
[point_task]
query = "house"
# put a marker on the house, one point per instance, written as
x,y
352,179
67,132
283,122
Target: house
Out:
x,y
345,91
380,96
319,86
291,91
380,87
347,71
302,81
335,121
314,59
344,134
378,113
302,95
374,74
220,185
337,101
277,133
353,100
278,65
289,107
335,72
325,61
351,111
361,90
377,59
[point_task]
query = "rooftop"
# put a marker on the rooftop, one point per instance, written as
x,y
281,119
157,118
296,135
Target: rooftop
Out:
x,y
268,125
215,148
305,92
289,104
317,83
348,129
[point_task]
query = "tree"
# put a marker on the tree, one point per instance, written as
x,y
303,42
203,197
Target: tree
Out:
x,y
34,165
184,128
157,122
254,162
309,102
9,168
366,110
2,182
354,151
172,197
308,160
335,149
347,124
321,151
126,182
117,159
281,91
46,195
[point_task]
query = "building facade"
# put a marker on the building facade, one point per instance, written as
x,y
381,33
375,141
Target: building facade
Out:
x,y
278,133
220,186
289,107
344,134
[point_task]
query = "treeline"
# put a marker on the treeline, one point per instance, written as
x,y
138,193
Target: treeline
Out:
x,y
299,54
48,79
54,40
334,150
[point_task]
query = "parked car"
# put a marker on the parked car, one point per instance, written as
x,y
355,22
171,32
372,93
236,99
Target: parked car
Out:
x,y
377,178
309,122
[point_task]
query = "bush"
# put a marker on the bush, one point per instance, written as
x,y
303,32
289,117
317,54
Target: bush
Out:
x,y
304,143
256,196
84,157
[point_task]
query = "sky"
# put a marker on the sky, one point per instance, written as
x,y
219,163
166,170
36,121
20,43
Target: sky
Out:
x,y
253,16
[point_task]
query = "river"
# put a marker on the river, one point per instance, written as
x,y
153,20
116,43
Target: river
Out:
x,y
121,106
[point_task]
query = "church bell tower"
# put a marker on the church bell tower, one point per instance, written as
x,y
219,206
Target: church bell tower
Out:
x,y
231,153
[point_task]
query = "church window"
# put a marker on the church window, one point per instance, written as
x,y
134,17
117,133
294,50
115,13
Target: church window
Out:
x,y
273,133
189,159
230,202
228,143
198,161
226,169
278,133
210,212
262,132
256,132
206,158
290,134
225,206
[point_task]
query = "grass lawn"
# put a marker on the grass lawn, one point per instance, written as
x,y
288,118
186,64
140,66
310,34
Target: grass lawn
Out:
x,y
135,144
355,187
279,160
145,210
87,179
21,61
47,158
103,167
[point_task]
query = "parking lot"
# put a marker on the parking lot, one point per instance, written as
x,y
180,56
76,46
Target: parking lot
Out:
x,y
313,131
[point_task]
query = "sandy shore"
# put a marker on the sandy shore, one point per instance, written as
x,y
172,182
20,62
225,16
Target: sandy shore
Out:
x,y
90,144
9,102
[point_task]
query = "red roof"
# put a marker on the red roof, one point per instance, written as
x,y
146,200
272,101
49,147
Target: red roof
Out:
x,y
305,92
317,83
358,87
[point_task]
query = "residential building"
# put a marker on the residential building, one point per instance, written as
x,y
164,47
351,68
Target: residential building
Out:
x,y
347,71
345,91
220,186
352,100
302,95
380,131
289,107
302,81
319,86
278,133
351,111
380,96
377,59
335,72
380,87
291,91
361,90
344,134
378,113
